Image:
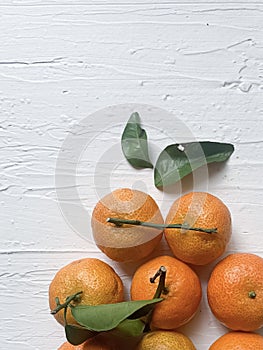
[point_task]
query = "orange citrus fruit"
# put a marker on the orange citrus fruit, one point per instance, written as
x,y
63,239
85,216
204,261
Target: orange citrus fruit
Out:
x,y
103,341
97,280
235,291
201,210
183,291
93,344
68,346
126,243
238,341
165,340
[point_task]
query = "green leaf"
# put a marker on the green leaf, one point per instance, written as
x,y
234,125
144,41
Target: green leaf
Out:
x,y
108,316
178,160
130,328
134,143
141,312
76,335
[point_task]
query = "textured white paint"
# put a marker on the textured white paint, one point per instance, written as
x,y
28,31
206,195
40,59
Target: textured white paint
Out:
x,y
61,61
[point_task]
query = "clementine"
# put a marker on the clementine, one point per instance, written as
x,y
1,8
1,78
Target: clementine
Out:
x,y
182,293
165,340
103,341
238,341
97,281
68,346
235,291
200,210
126,243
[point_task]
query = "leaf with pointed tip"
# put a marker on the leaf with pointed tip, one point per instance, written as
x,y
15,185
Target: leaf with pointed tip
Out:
x,y
76,335
105,317
134,143
178,160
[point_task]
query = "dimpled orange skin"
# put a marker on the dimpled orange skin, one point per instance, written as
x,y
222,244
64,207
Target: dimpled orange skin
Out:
x,y
238,341
97,280
184,291
126,243
229,286
165,340
68,346
92,344
103,341
198,209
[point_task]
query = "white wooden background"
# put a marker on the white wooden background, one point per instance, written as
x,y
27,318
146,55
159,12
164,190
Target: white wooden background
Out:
x,y
62,60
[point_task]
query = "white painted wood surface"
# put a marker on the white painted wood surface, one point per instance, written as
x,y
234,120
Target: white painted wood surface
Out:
x,y
61,61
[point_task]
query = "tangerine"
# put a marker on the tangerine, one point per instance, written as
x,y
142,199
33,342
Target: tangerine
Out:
x,y
103,341
203,210
182,294
97,281
68,346
235,291
126,243
165,340
238,341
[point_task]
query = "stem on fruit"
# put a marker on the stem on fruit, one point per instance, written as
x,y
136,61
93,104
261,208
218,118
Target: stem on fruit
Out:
x,y
69,299
120,222
161,285
160,289
65,316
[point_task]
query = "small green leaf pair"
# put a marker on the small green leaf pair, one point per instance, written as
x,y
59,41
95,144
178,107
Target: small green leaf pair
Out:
x,y
122,318
176,160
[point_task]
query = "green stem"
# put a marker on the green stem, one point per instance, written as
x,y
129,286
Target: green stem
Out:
x,y
69,299
120,222
160,289
161,285
65,315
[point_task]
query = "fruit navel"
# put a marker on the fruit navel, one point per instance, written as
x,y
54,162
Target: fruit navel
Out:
x,y
252,294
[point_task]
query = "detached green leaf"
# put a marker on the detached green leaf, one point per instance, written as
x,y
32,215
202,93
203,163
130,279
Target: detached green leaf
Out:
x,y
130,328
134,143
108,316
76,335
178,160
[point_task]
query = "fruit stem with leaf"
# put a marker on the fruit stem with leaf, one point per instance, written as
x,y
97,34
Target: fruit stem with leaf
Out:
x,y
74,297
120,222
